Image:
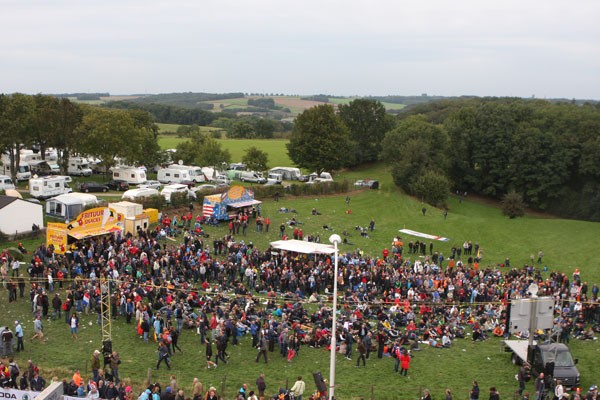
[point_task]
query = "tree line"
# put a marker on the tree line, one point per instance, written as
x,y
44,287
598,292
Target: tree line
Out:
x,y
74,129
545,152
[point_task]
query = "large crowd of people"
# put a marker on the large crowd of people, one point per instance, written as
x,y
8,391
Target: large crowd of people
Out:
x,y
221,288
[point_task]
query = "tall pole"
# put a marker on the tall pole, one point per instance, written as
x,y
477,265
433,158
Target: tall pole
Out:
x,y
335,239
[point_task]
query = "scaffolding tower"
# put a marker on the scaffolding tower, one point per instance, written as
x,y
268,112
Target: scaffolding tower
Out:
x,y
105,320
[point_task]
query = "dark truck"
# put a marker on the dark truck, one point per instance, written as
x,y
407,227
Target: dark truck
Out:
x,y
553,359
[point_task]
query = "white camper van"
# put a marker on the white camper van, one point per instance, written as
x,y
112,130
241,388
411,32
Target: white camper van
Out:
x,y
130,175
23,172
175,188
6,183
172,175
70,205
79,166
48,186
194,172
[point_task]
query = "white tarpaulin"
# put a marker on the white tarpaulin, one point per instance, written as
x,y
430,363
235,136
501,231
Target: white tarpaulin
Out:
x,y
425,235
300,246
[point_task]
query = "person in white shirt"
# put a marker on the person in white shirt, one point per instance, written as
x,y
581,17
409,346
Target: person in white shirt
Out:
x,y
298,388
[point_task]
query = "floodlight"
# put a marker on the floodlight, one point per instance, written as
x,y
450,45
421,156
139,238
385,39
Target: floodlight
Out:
x,y
335,238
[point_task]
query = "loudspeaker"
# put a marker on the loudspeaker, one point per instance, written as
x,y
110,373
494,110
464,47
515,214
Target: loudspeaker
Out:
x,y
321,386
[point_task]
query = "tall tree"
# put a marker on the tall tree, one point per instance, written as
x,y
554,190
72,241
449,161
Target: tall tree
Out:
x,y
66,137
368,124
256,159
17,124
110,134
320,140
202,150
414,149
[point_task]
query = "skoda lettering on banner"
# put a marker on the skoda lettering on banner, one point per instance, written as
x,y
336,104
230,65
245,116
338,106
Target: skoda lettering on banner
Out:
x,y
14,394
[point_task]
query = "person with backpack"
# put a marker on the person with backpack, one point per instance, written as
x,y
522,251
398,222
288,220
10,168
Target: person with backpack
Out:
x,y
14,370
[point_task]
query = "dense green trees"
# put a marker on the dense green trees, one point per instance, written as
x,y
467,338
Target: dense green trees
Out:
x,y
545,152
47,121
417,152
256,159
202,150
320,140
368,123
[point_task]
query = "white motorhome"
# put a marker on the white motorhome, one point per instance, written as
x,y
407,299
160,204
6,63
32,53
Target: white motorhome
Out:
x,y
172,175
6,183
79,166
175,188
27,156
139,194
48,186
288,173
321,178
23,172
129,175
194,172
70,205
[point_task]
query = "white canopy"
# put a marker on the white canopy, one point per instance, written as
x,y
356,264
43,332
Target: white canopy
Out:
x,y
300,246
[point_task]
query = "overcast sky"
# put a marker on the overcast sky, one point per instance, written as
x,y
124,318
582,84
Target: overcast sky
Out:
x,y
545,48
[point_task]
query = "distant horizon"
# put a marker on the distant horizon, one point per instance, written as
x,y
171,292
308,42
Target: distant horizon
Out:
x,y
276,94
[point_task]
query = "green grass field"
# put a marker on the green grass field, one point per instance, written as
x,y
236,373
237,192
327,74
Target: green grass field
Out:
x,y
275,148
567,245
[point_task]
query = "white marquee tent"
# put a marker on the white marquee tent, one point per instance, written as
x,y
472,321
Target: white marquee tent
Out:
x,y
300,246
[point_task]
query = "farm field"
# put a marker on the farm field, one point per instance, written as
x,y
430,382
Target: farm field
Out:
x,y
346,100
275,148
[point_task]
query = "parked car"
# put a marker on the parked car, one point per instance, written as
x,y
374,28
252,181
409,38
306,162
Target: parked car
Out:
x,y
150,185
87,187
119,185
369,183
221,179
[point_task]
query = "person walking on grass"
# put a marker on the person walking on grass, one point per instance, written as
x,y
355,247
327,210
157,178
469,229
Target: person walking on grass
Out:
x,y
163,354
38,329
404,362
74,324
362,351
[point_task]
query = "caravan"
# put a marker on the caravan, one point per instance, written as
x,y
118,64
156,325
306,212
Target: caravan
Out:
x,y
49,186
195,173
79,166
172,175
129,174
68,206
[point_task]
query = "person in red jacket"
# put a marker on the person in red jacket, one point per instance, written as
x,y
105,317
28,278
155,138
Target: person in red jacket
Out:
x,y
404,362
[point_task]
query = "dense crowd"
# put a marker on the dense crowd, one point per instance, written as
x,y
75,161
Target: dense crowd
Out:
x,y
222,288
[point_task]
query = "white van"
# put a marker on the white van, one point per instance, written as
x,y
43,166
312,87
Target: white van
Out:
x,y
139,194
172,175
175,188
6,183
129,175
23,172
79,166
251,176
195,173
48,186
